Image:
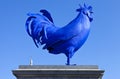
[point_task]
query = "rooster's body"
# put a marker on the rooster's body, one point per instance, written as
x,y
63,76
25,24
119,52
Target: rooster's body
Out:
x,y
67,39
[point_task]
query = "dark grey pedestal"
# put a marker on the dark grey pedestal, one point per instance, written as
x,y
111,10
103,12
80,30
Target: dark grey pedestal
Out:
x,y
58,72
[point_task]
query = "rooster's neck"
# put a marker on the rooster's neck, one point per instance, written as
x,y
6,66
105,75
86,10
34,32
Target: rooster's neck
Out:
x,y
83,19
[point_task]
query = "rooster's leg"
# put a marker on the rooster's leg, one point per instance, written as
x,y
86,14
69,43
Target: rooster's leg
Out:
x,y
68,61
69,54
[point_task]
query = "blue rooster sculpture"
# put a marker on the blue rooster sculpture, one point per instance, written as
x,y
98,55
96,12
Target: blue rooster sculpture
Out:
x,y
67,39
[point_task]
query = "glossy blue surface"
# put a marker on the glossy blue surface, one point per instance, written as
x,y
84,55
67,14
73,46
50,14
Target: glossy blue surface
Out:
x,y
67,39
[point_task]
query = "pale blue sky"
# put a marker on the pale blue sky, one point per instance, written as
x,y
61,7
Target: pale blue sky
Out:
x,y
102,47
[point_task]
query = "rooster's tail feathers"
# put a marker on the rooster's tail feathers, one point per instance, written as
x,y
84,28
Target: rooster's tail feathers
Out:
x,y
36,27
27,25
47,14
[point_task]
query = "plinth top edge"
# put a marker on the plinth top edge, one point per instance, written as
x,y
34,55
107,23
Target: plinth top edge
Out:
x,y
58,67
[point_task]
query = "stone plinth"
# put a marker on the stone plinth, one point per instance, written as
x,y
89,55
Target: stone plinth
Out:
x,y
58,72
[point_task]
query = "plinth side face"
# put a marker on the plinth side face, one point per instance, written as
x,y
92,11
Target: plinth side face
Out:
x,y
58,72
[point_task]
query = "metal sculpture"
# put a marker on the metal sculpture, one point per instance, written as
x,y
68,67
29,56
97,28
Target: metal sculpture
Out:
x,y
67,39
